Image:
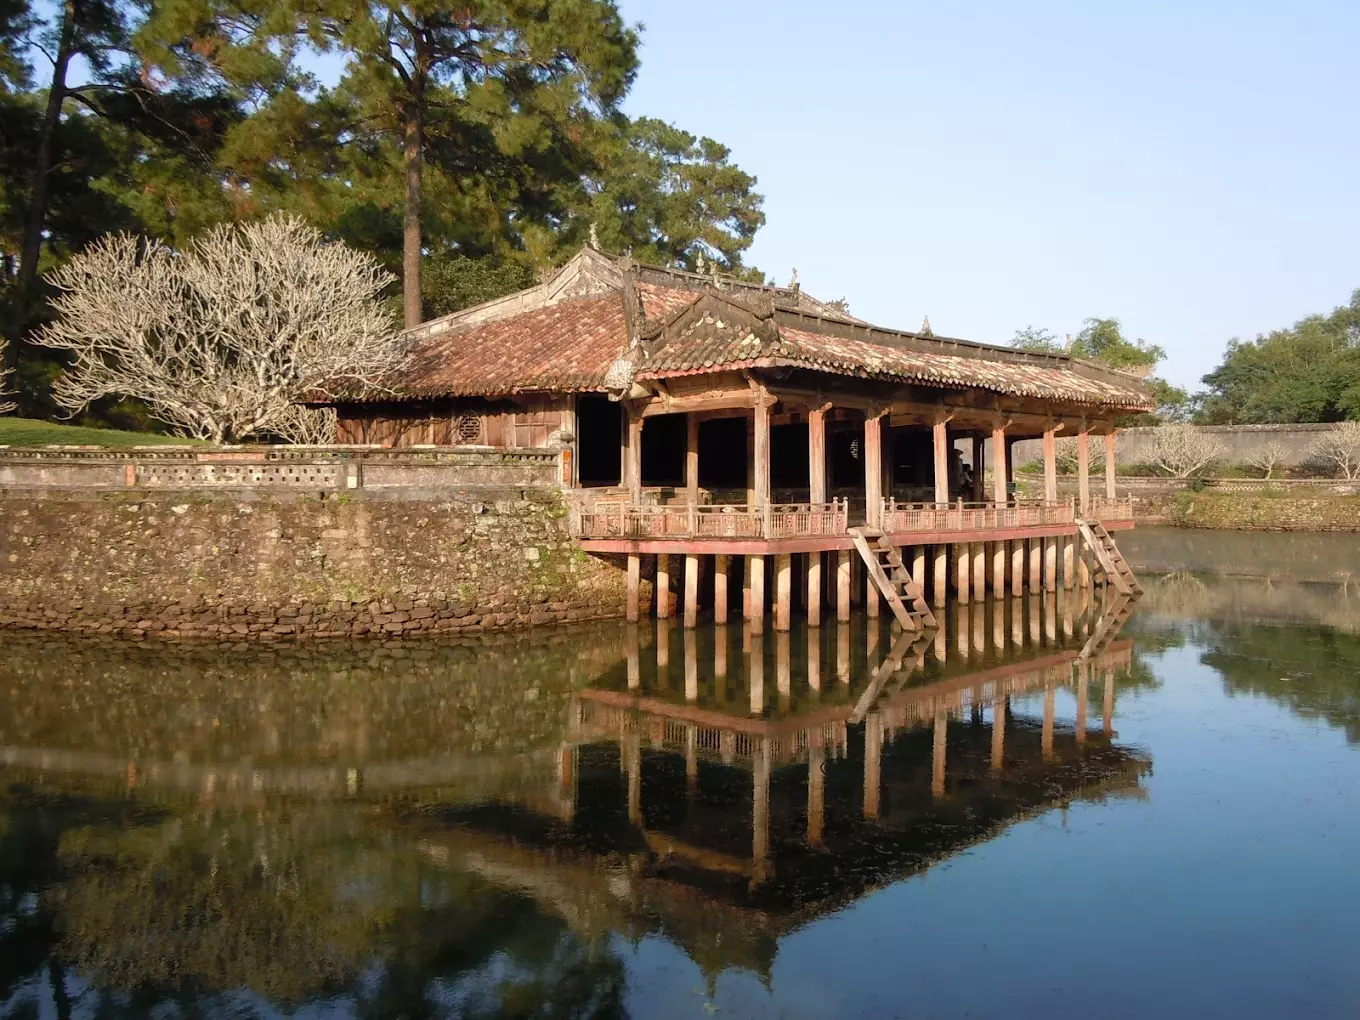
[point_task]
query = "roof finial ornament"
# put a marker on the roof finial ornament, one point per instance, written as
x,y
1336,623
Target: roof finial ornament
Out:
x,y
594,236
793,280
925,327
700,265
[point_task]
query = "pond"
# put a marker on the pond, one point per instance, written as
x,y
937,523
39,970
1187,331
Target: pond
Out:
x,y
1055,807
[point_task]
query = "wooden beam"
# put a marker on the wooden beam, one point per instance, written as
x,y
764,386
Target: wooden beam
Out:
x,y
735,399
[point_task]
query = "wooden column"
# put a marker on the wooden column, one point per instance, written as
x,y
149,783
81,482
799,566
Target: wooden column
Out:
x,y
762,452
941,576
1083,470
632,456
783,591
756,611
873,471
940,436
1050,465
691,458
722,563
663,586
979,468
691,591
634,586
843,585
999,468
817,456
1109,464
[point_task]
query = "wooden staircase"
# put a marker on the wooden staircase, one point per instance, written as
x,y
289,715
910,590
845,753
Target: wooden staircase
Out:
x,y
1108,556
907,655
1108,625
884,562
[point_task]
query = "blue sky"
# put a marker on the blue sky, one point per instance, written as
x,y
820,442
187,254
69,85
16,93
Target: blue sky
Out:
x,y
1190,168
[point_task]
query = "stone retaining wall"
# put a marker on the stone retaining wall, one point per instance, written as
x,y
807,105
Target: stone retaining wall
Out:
x,y
1239,443
281,566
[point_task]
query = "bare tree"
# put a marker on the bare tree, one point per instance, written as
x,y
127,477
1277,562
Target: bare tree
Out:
x,y
5,405
1269,456
1341,446
1067,457
306,426
1181,450
220,340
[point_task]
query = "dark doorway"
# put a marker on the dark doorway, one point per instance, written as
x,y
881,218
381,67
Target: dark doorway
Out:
x,y
599,442
913,458
663,450
722,453
789,457
845,449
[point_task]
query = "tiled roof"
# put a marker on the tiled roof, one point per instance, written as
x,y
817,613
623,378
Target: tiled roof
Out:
x,y
711,341
567,333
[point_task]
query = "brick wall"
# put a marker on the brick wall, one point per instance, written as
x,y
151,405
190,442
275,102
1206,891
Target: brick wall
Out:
x,y
279,566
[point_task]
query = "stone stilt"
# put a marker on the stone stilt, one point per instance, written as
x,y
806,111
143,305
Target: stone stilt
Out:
x,y
757,674
663,586
783,671
1082,680
873,764
964,628
634,658
814,658
962,569
937,763
999,570
1107,715
940,576
998,733
691,666
1069,560
1036,566
816,807
720,650
1050,564
843,653
783,591
760,805
634,586
691,591
918,568
843,585
1046,735
814,589
756,616
978,551
721,566
1018,567
663,652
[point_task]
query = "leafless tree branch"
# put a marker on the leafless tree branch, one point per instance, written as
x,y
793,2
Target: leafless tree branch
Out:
x,y
1340,446
220,340
1181,450
1269,456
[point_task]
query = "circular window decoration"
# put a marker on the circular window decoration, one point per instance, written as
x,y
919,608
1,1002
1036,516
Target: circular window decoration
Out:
x,y
467,428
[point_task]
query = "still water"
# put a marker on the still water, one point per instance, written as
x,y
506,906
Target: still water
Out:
x,y
1054,808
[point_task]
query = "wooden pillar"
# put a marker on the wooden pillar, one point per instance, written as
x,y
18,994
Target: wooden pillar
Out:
x,y
691,459
756,612
817,456
632,456
998,733
1000,475
1018,566
1083,470
722,563
937,764
762,452
783,591
940,436
978,554
691,591
873,471
663,586
843,585
941,575
1050,465
873,764
979,483
634,587
1109,464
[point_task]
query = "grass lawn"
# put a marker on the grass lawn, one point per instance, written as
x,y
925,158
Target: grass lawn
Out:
x,y
31,432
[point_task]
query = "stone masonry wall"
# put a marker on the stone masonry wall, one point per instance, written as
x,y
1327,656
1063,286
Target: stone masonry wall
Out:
x,y
241,566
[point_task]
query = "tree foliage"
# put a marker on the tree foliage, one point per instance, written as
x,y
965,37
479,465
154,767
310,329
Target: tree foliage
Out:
x,y
1309,372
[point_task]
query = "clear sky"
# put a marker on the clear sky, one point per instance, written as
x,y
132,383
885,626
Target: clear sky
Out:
x,y
1191,168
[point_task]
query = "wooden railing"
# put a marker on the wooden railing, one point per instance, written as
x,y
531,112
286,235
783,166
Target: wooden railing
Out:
x,y
906,517
717,521
1105,509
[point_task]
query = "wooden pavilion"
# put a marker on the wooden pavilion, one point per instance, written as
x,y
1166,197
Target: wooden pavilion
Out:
x,y
725,422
